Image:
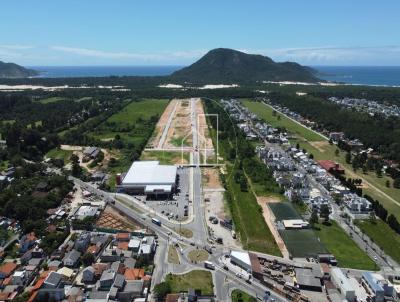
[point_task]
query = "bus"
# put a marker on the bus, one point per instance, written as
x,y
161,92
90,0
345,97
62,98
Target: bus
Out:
x,y
209,265
156,221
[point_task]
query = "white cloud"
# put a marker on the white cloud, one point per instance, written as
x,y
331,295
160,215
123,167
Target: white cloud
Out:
x,y
335,55
161,56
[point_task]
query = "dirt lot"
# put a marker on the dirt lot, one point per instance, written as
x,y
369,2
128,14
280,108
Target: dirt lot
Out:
x,y
165,157
217,209
162,122
180,126
112,219
211,178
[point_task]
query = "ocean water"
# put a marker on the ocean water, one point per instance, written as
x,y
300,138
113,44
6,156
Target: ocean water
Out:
x,y
360,75
365,75
102,71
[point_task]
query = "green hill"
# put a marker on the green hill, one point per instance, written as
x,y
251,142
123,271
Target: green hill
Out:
x,y
11,70
224,65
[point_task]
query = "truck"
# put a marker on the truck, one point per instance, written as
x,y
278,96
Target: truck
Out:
x,y
209,265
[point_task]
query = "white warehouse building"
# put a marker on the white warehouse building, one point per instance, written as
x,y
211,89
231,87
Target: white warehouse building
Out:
x,y
149,178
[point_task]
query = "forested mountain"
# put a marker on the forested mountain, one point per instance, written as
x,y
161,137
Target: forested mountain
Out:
x,y
11,70
224,65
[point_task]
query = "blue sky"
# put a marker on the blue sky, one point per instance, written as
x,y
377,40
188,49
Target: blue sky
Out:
x,y
168,32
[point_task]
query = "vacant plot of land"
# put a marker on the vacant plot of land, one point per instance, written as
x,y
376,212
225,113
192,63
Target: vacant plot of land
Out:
x,y
57,153
173,256
180,128
112,219
321,149
383,236
197,279
166,157
198,255
249,222
338,243
132,122
211,178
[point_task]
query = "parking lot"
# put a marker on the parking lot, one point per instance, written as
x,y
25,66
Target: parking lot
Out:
x,y
176,208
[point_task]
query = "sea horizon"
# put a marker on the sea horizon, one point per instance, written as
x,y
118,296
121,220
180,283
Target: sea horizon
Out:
x,y
388,76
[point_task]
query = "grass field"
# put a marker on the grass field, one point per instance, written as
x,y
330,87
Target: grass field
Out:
x,y
321,149
130,122
197,279
266,113
346,251
198,255
241,296
383,236
166,157
249,222
51,100
59,154
187,233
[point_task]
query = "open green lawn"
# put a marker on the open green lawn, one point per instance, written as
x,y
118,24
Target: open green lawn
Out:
x,y
241,296
166,157
131,123
249,221
321,149
196,279
51,100
346,251
266,113
59,154
143,109
383,236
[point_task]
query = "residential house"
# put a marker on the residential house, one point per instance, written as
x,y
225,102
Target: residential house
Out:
x,y
7,268
82,242
88,274
72,258
107,279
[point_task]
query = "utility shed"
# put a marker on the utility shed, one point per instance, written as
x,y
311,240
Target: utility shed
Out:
x,y
150,178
